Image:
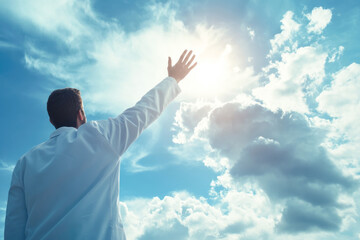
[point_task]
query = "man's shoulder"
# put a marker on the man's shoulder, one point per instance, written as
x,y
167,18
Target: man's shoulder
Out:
x,y
23,160
98,126
32,151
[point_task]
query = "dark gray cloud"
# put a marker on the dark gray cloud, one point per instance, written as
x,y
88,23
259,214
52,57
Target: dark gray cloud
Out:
x,y
302,216
283,155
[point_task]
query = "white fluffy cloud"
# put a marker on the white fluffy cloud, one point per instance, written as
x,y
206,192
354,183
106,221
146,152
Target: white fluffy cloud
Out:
x,y
294,77
296,66
183,216
288,28
341,102
319,18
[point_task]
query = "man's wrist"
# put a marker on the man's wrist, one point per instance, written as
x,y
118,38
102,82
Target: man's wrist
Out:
x,y
175,79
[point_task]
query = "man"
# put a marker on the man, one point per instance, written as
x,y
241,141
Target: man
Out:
x,y
68,186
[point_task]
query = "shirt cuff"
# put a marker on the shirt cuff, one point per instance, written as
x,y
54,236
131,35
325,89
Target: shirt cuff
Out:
x,y
175,83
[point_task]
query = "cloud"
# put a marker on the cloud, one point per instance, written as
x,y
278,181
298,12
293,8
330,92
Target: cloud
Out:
x,y
61,19
301,216
173,230
293,79
188,117
341,102
294,76
319,18
7,45
288,28
6,167
251,32
232,217
337,54
134,156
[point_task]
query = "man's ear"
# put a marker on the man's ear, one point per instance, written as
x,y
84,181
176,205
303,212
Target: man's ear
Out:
x,y
81,115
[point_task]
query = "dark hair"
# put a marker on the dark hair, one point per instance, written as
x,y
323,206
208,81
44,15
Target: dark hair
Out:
x,y
63,106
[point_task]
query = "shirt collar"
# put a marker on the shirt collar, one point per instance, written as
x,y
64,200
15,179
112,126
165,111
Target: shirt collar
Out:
x,y
60,130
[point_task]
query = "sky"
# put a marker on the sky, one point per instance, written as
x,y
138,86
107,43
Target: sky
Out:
x,y
262,143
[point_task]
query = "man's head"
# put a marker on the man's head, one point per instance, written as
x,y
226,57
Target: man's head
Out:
x,y
65,108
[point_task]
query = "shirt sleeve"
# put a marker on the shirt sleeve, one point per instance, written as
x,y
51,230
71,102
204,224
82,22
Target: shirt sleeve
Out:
x,y
122,130
16,212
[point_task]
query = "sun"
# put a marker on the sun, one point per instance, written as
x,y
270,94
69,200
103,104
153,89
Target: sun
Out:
x,y
207,79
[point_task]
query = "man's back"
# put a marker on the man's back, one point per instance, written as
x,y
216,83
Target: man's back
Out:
x,y
71,186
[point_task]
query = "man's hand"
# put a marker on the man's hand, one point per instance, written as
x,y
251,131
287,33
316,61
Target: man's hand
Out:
x,y
182,67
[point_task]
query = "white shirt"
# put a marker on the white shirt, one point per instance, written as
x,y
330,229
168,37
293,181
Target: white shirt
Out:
x,y
68,186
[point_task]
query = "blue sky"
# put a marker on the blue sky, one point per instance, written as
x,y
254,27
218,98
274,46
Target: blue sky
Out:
x,y
263,141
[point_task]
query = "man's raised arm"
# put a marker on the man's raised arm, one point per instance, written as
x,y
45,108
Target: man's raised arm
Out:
x,y
124,129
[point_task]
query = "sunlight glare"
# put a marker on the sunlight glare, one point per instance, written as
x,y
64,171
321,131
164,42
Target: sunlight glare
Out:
x,y
209,75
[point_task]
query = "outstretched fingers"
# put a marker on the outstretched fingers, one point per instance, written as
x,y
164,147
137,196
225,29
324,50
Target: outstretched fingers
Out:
x,y
182,56
190,68
169,63
191,60
187,57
